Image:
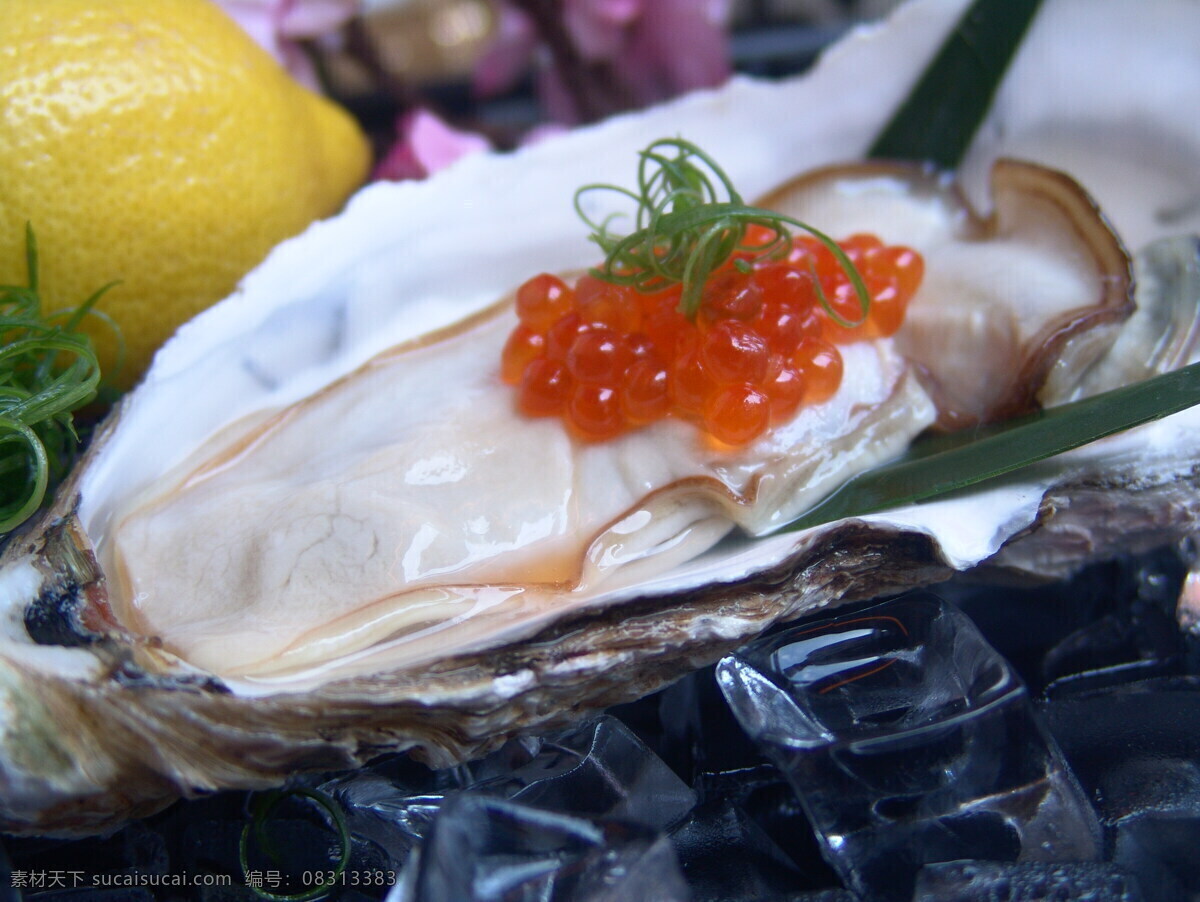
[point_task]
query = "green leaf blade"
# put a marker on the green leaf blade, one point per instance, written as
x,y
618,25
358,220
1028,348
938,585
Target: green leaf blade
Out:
x,y
950,463
937,121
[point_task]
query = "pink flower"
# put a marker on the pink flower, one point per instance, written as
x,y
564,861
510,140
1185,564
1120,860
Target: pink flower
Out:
x,y
599,27
622,54
679,46
424,145
509,53
279,25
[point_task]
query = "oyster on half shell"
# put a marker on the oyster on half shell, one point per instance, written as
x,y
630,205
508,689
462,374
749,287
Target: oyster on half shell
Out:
x,y
317,532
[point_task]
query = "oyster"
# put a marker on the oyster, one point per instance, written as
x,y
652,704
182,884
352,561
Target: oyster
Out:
x,y
159,639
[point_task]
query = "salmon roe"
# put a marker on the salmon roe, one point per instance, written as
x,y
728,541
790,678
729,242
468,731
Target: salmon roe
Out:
x,y
609,359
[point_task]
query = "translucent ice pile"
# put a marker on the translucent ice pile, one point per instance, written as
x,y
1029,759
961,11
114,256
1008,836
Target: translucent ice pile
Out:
x,y
577,817
908,740
668,798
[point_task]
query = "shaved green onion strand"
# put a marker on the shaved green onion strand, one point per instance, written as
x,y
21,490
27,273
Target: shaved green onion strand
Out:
x,y
47,371
684,231
36,464
264,807
31,259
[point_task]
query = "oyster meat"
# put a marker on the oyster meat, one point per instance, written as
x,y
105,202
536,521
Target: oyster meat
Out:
x,y
447,523
317,531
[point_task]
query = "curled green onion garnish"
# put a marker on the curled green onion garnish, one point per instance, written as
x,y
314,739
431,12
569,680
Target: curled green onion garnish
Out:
x,y
264,807
48,370
689,221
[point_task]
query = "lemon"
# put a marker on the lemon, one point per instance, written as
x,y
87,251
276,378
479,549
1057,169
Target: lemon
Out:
x,y
153,142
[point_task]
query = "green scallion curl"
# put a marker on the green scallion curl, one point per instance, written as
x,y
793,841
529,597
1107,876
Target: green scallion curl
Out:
x,y
48,370
689,220
23,459
264,807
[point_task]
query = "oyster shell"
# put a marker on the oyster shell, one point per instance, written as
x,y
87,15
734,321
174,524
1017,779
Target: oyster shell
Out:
x,y
102,720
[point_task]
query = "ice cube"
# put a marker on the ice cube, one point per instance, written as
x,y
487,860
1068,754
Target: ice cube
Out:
x,y
599,769
726,855
1160,849
385,813
484,849
908,740
1137,746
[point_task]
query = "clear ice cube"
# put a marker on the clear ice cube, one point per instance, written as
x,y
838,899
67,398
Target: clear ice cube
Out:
x,y
392,816
1160,850
908,740
1137,746
484,849
725,855
599,769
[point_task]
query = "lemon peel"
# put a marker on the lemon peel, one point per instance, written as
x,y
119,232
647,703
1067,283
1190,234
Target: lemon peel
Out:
x,y
154,143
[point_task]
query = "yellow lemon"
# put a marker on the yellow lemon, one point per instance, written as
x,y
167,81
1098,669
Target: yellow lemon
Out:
x,y
153,142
